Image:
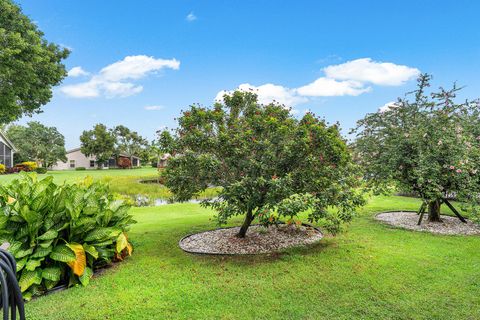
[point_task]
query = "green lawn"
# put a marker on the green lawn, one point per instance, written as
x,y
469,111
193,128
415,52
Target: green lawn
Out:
x,y
369,272
122,181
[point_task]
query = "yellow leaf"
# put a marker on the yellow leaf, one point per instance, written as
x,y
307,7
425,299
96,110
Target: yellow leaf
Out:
x,y
11,200
129,249
122,242
79,264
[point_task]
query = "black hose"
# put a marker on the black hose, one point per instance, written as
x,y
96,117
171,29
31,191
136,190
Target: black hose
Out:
x,y
10,294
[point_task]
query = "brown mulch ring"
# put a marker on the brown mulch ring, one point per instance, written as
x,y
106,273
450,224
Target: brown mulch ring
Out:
x,y
408,220
258,240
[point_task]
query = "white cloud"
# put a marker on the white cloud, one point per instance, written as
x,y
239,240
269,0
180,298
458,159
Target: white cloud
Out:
x,y
77,72
366,70
151,108
352,78
387,106
326,87
191,17
115,80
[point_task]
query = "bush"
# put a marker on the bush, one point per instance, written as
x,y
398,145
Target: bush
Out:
x,y
41,170
2,168
124,163
80,168
30,164
59,234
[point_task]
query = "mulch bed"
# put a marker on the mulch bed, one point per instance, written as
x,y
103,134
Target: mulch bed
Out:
x,y
448,226
258,240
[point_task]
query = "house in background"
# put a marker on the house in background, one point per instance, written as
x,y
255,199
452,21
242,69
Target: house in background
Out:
x,y
76,159
7,149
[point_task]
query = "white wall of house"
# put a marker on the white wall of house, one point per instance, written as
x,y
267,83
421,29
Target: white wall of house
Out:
x,y
75,159
6,151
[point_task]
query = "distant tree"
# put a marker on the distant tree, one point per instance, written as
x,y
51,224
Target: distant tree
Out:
x,y
37,142
429,146
99,142
129,142
29,65
270,165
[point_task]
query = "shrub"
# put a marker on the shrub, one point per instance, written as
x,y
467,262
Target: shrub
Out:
x,y
2,168
59,234
124,163
30,164
41,170
80,168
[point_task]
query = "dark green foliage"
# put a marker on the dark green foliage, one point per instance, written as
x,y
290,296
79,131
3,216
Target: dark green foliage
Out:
x,y
37,142
80,168
270,165
60,233
429,146
41,170
98,142
29,65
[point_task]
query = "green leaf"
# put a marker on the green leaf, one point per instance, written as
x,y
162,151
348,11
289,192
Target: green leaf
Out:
x,y
90,250
41,252
102,234
29,278
52,273
32,264
21,263
86,276
45,244
49,235
63,253
49,284
22,253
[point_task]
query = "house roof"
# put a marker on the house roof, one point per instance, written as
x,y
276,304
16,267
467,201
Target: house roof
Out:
x,y
11,145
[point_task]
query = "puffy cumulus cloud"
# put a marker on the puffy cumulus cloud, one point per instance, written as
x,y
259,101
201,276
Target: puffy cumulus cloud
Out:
x,y
352,78
116,79
367,70
268,93
326,87
77,72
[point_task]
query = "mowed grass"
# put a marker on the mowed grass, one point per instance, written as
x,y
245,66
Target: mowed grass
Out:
x,y
122,181
371,271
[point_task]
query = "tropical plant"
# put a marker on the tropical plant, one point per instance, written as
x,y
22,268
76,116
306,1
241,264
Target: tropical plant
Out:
x,y
2,168
59,234
29,65
37,142
429,146
30,165
270,165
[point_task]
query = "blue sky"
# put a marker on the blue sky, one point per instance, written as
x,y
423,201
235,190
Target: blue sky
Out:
x,y
138,63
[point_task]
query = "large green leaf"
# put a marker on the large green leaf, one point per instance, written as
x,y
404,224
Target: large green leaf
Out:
x,y
32,264
90,250
22,253
102,234
86,276
41,252
63,253
49,235
52,273
29,278
21,263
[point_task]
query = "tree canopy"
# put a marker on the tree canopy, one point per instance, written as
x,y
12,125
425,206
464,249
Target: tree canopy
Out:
x,y
429,145
129,142
29,65
98,142
270,165
37,142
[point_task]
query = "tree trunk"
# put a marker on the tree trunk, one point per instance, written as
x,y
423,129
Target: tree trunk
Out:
x,y
434,211
246,223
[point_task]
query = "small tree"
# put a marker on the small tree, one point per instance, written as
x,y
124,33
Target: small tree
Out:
x,y
99,142
38,142
128,142
429,146
29,65
270,165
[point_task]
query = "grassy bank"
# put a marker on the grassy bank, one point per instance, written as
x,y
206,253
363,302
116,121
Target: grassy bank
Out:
x,y
371,271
